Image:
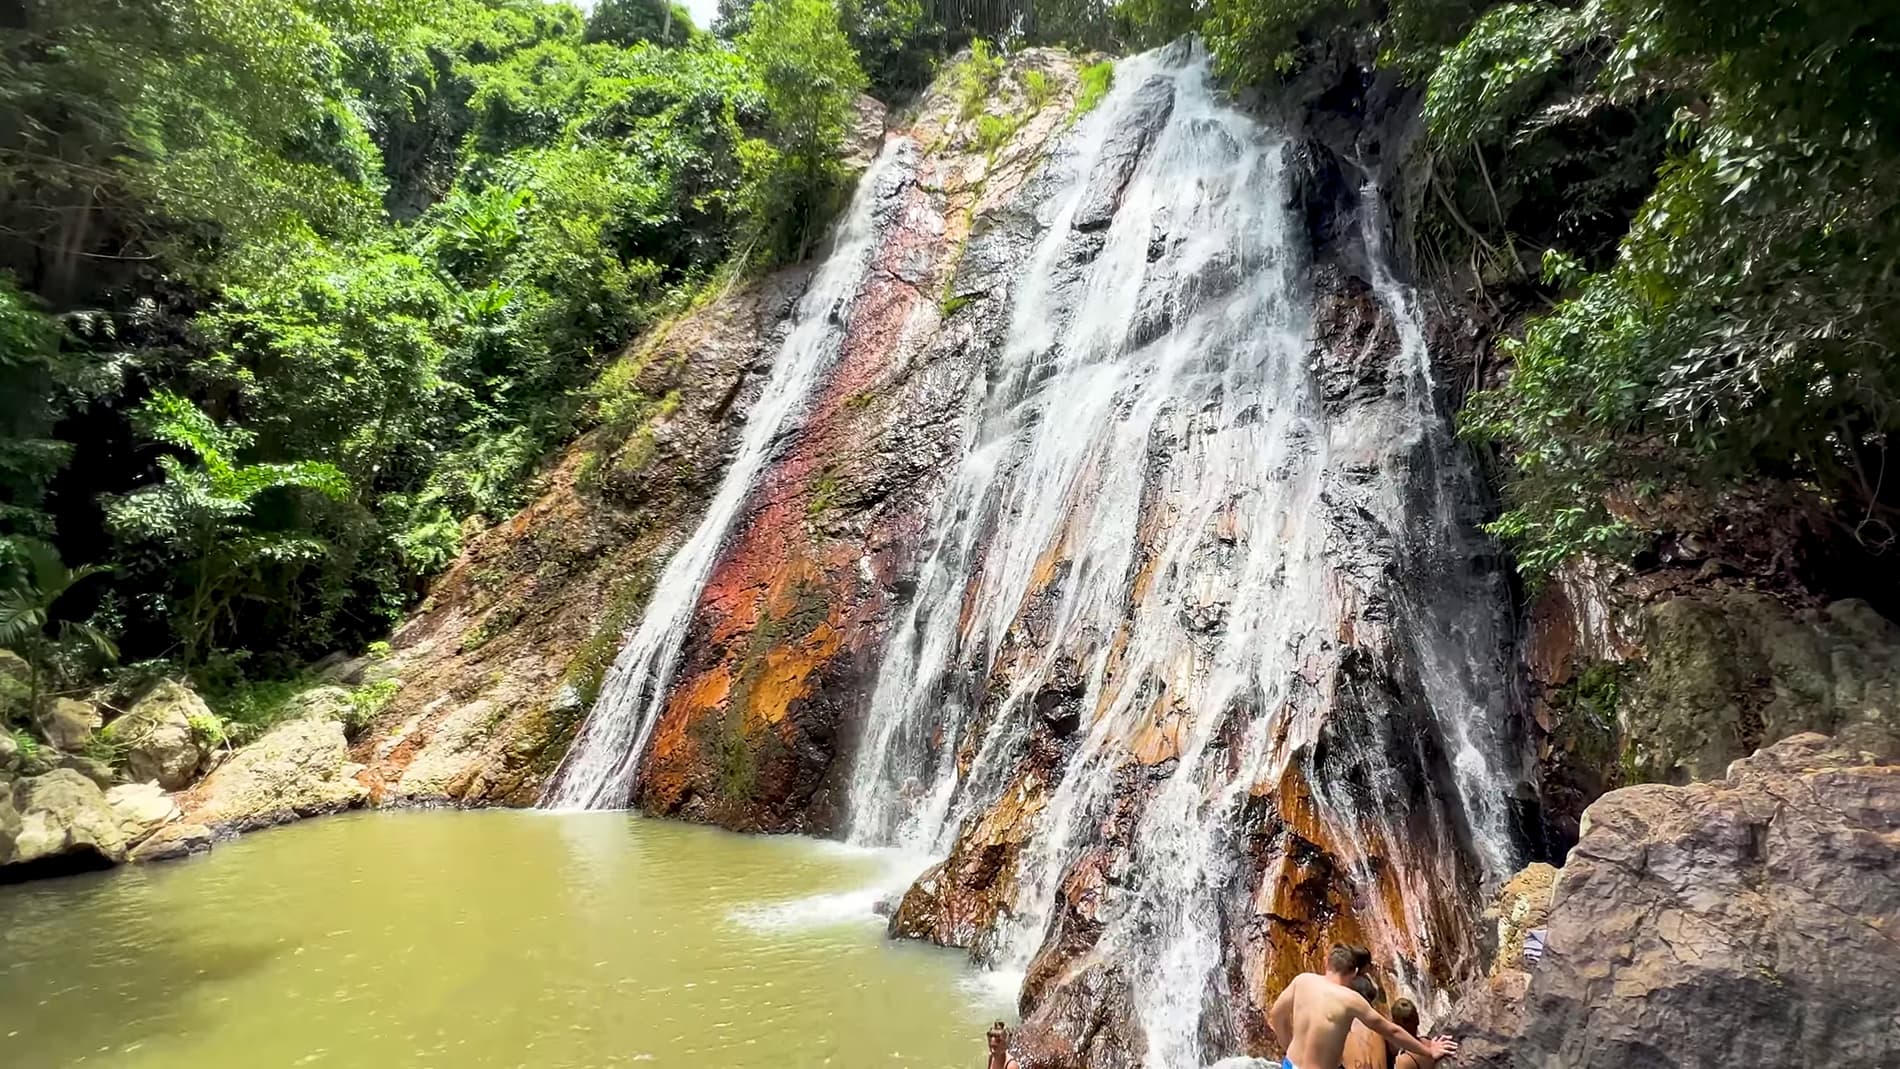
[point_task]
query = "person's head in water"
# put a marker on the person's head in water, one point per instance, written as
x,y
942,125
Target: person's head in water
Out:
x,y
1345,962
1405,1015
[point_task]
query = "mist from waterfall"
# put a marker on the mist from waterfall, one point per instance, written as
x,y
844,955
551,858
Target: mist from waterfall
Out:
x,y
601,765
1139,519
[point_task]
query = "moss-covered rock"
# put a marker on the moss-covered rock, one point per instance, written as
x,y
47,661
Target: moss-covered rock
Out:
x,y
159,737
1728,673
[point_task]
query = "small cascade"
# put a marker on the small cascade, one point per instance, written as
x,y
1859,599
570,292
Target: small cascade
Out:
x,y
1160,550
599,769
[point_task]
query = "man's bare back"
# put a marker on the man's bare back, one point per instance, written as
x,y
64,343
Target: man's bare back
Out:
x,y
1315,1013
1321,1016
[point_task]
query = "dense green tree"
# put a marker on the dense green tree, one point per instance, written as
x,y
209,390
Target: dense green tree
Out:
x,y
810,76
209,519
631,22
1746,328
297,293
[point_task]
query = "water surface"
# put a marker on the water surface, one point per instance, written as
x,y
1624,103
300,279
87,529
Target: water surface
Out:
x,y
477,940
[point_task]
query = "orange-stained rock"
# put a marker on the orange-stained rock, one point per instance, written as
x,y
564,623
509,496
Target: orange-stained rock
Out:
x,y
961,897
494,666
787,631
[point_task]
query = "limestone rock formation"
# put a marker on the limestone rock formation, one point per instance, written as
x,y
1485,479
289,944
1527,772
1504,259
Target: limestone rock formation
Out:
x,y
328,702
57,822
1742,922
173,841
157,736
301,768
92,768
142,808
1520,907
68,724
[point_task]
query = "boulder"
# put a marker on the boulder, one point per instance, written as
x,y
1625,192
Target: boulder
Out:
x,y
92,768
300,768
69,724
866,135
158,738
1742,922
9,751
174,841
142,808
57,822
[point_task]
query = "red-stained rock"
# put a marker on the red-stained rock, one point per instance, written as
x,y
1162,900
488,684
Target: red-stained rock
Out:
x,y
752,733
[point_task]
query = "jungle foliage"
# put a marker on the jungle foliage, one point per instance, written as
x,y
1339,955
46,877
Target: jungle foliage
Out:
x,y
294,293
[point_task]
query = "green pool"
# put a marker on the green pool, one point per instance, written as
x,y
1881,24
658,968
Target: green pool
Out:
x,y
456,940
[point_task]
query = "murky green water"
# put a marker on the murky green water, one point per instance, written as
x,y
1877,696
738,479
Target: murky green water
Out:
x,y
476,940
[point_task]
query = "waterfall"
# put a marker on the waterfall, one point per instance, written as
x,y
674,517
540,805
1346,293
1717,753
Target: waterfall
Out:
x,y
1144,526
599,769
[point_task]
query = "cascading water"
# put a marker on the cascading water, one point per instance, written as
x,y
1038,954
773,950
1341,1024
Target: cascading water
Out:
x,y
1142,528
601,765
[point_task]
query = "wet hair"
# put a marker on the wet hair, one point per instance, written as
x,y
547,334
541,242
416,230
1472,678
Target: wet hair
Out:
x,y
1405,1015
1367,989
1346,960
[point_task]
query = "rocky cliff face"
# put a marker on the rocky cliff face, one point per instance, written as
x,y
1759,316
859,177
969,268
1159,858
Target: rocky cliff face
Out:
x,y
1111,557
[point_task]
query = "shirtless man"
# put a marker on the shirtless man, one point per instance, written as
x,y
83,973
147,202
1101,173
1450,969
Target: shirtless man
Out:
x,y
1312,1016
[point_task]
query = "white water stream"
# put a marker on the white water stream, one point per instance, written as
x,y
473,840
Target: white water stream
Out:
x,y
1141,514
599,769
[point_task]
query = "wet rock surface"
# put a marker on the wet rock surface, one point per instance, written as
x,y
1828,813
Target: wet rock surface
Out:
x,y
1746,921
782,649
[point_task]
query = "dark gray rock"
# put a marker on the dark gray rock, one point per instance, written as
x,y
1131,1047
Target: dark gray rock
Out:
x,y
1134,131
